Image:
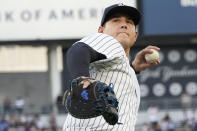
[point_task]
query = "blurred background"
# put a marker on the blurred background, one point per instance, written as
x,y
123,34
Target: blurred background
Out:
x,y
35,36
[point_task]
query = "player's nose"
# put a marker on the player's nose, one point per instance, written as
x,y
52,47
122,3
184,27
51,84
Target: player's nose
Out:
x,y
123,24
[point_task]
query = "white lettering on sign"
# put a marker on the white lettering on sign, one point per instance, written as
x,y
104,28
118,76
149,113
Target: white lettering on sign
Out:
x,y
37,14
51,19
166,73
188,3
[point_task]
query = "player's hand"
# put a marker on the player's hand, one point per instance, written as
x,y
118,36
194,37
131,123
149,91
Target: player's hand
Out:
x,y
85,83
140,63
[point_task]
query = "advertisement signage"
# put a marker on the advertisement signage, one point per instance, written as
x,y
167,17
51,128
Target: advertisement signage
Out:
x,y
51,19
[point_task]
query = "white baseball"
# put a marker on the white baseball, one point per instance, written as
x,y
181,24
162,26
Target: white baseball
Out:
x,y
151,58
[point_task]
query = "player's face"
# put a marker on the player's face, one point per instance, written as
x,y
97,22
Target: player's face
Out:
x,y
122,29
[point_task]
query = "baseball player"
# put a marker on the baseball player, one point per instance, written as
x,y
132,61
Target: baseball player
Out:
x,y
104,56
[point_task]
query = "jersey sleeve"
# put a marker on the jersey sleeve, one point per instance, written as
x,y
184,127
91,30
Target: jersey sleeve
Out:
x,y
105,45
79,56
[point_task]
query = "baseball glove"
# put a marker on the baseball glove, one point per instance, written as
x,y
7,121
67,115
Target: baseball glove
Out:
x,y
95,100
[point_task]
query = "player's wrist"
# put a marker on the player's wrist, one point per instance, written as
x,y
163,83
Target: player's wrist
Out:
x,y
134,66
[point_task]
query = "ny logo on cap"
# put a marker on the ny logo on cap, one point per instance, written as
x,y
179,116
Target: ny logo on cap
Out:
x,y
120,4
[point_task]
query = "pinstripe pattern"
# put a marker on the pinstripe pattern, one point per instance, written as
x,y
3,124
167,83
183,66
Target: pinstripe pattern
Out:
x,y
115,69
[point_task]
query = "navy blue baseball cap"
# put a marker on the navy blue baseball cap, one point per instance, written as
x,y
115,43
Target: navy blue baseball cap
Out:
x,y
132,12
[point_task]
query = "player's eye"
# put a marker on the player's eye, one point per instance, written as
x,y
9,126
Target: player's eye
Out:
x,y
130,22
116,20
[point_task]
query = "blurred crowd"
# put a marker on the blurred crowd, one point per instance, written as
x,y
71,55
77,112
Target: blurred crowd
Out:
x,y
26,122
14,118
155,123
17,106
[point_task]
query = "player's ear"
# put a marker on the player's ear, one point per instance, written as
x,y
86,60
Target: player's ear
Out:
x,y
136,34
100,29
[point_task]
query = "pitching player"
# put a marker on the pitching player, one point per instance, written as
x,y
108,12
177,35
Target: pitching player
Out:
x,y
104,56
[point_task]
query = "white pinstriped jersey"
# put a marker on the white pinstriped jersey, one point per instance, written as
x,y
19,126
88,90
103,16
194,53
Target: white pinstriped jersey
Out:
x,y
114,69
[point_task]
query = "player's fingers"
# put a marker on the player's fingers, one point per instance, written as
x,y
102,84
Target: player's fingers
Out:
x,y
148,50
86,84
154,63
153,47
157,62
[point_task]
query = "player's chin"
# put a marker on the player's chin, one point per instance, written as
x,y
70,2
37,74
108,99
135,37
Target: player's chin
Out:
x,y
123,40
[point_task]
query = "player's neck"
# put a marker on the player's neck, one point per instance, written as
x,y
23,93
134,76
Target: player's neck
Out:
x,y
126,49
127,52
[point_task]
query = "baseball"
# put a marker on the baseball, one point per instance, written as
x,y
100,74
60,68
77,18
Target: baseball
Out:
x,y
151,58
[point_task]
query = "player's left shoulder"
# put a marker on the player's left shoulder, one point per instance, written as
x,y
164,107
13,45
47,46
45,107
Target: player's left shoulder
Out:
x,y
98,38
